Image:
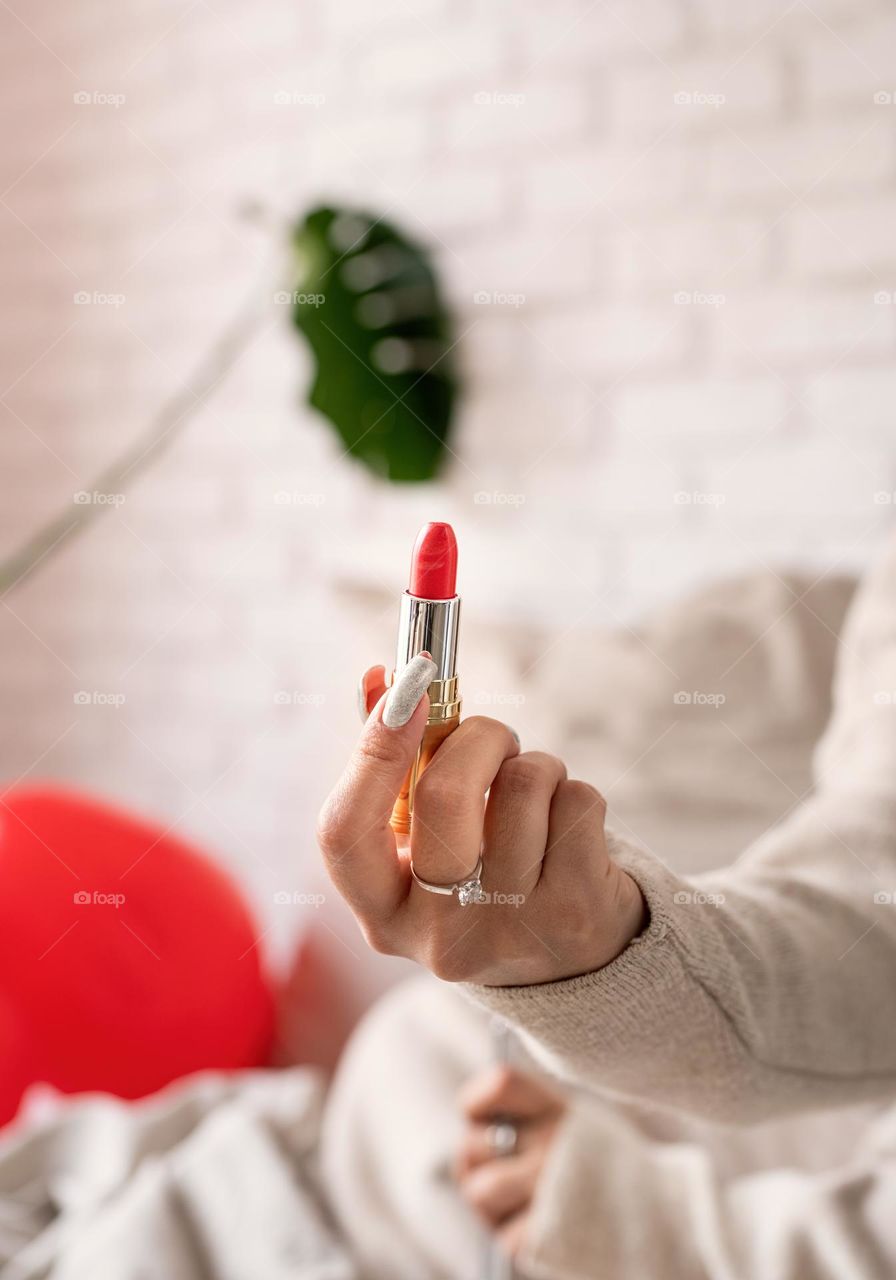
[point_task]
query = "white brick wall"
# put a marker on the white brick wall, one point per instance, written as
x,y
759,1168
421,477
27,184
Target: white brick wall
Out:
x,y
697,202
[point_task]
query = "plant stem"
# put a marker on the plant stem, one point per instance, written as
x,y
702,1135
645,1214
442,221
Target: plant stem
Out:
x,y
163,429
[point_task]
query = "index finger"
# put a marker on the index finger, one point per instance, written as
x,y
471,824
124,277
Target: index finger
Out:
x,y
353,828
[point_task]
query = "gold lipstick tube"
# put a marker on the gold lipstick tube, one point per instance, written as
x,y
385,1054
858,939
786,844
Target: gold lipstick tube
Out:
x,y
430,625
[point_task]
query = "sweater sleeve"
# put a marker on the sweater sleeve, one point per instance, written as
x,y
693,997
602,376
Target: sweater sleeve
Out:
x,y
614,1205
766,987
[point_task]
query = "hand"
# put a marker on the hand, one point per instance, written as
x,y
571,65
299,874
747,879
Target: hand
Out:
x,y
501,1188
558,906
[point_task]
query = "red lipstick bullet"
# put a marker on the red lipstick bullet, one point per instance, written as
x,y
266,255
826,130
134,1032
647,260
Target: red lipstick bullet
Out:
x,y
434,563
428,621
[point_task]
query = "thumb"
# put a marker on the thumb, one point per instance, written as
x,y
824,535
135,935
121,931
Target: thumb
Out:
x,y
392,732
353,831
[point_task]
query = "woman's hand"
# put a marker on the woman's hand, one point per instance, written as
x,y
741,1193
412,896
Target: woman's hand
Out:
x,y
557,905
501,1187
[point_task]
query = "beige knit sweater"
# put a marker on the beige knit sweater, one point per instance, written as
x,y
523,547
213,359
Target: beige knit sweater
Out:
x,y
769,986
615,1203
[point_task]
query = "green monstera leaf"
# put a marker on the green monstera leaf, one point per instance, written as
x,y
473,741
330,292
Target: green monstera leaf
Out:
x,y
367,300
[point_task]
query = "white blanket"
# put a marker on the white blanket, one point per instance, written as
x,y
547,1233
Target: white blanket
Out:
x,y
213,1179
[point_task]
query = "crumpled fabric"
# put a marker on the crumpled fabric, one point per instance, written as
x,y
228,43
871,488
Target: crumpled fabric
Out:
x,y
213,1179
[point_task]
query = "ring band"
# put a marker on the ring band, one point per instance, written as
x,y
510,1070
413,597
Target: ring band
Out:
x,y
503,1137
468,890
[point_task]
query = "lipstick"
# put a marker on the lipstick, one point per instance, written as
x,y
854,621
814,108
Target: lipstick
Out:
x,y
428,621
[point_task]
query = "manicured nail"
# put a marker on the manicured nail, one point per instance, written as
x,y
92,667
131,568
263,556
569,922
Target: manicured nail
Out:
x,y
370,678
410,685
362,699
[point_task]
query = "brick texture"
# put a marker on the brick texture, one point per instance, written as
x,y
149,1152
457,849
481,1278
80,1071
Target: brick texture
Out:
x,y
693,204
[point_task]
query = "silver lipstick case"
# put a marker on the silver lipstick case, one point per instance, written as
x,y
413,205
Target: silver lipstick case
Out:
x,y
432,625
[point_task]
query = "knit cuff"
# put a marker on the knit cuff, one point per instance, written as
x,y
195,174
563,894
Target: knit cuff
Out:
x,y
640,1024
605,1208
645,961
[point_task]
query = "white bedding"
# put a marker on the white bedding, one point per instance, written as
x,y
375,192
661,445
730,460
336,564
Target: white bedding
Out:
x,y
213,1179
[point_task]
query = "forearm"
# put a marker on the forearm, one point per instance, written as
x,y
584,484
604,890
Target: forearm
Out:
x,y
768,989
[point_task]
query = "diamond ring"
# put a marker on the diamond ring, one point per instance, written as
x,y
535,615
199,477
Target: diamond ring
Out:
x,y
469,890
503,1137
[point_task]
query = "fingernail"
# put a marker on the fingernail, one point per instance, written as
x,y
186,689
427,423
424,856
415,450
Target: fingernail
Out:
x,y
362,699
514,733
364,686
369,680
409,687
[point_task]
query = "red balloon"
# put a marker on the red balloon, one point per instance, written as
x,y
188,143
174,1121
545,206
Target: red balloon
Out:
x,y
127,959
